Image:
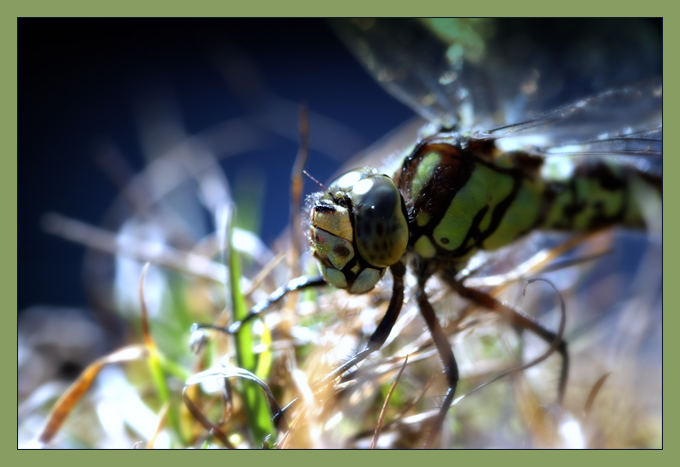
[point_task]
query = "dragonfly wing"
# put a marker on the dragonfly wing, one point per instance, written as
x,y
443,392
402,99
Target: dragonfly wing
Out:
x,y
633,109
489,72
621,123
409,62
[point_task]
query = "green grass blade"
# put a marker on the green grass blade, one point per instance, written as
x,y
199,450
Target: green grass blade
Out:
x,y
256,406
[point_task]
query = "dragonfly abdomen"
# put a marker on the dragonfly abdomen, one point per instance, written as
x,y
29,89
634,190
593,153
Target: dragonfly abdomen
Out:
x,y
599,194
464,197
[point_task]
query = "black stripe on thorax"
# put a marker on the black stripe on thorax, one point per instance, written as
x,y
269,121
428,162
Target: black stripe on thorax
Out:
x,y
475,237
451,174
458,161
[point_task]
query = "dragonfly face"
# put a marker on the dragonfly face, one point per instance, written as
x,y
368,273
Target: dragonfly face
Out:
x,y
358,229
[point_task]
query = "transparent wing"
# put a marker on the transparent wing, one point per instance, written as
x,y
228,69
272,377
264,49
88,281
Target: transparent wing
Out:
x,y
489,72
617,123
410,62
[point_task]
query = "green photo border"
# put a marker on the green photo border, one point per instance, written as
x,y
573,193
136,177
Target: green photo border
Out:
x,y
271,8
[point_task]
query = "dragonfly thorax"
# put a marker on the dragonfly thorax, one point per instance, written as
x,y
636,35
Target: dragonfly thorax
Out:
x,y
358,228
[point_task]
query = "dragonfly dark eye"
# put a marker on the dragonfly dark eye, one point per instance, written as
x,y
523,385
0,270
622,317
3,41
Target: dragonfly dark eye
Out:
x,y
364,233
381,228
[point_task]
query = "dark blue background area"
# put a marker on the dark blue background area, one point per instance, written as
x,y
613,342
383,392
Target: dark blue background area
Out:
x,y
81,79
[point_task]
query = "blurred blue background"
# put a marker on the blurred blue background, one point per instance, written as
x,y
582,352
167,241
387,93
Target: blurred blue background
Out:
x,y
87,85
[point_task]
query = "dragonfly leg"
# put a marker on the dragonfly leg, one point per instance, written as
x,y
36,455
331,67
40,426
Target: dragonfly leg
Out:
x,y
520,319
299,283
376,340
445,354
380,334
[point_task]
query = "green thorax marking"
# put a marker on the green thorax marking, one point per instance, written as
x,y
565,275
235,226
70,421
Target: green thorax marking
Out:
x,y
472,208
457,197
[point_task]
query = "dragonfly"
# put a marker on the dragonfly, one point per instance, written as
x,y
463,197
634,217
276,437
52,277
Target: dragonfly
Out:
x,y
494,165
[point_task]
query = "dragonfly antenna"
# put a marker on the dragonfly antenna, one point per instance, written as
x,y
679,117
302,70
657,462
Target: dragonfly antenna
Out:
x,y
314,180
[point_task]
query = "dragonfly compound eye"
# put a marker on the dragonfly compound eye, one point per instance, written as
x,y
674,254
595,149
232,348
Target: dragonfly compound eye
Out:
x,y
358,229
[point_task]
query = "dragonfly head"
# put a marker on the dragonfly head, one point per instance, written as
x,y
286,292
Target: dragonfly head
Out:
x,y
358,228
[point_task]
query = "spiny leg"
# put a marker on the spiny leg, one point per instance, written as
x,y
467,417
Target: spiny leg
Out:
x,y
299,283
378,337
445,354
520,319
376,340
381,333
551,348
